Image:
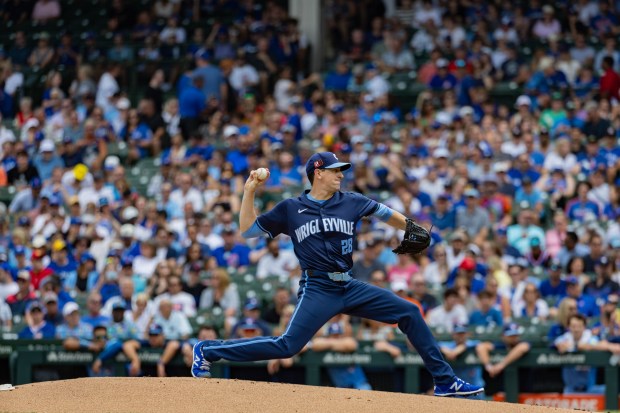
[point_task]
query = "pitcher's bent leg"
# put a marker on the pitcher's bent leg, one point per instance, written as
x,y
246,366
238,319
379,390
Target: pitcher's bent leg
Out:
x,y
369,301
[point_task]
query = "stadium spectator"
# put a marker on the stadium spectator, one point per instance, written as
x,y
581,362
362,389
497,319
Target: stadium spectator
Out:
x,y
511,342
337,336
223,294
581,379
157,340
173,322
566,308
19,301
8,286
553,286
448,314
531,305
94,317
74,333
276,262
38,328
251,317
281,300
486,315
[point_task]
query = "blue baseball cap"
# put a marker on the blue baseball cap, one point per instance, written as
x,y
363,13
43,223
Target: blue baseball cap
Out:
x,y
103,201
36,182
19,250
325,160
23,221
119,305
603,261
75,221
535,242
87,257
35,304
459,328
249,324
512,329
252,304
155,330
571,279
334,328
555,264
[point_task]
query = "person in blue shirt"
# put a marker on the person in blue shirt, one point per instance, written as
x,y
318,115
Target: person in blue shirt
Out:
x,y
322,223
511,343
443,80
37,327
94,316
47,160
338,80
238,156
602,286
63,264
580,207
232,253
443,216
213,83
284,174
586,304
192,103
487,314
553,286
566,307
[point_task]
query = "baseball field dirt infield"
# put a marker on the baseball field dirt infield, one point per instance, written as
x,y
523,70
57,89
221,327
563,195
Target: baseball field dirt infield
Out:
x,y
224,396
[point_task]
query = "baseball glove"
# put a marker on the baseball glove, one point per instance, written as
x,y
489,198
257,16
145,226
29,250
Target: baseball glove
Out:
x,y
416,239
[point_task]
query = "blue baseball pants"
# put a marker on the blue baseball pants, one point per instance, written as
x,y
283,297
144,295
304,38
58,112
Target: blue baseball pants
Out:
x,y
320,299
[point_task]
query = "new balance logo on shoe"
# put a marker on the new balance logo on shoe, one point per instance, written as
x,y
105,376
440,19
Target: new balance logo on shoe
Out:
x,y
456,386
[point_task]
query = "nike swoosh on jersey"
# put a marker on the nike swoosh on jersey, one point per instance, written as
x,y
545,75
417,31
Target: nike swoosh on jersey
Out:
x,y
299,211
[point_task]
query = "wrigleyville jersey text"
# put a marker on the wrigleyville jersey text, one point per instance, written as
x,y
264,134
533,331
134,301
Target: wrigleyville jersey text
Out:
x,y
322,233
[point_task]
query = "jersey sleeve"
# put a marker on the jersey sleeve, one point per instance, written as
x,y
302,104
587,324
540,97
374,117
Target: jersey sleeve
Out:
x,y
275,221
364,205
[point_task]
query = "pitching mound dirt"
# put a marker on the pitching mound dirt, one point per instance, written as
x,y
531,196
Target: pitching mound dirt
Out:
x,y
223,396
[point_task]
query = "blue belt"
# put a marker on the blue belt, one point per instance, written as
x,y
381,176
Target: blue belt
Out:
x,y
334,276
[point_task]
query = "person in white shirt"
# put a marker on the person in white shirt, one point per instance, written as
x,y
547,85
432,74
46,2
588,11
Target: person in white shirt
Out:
x,y
207,236
187,193
175,324
276,262
144,264
243,75
561,157
427,11
172,29
376,84
181,300
530,304
581,379
6,134
449,314
6,316
7,285
107,87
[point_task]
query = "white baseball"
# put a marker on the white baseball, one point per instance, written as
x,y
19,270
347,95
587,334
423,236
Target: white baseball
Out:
x,y
261,174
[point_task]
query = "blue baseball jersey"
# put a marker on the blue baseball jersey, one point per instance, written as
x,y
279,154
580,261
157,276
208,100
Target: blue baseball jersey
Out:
x,y
322,233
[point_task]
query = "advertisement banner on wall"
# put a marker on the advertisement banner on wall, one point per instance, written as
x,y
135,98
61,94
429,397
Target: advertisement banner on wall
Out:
x,y
588,402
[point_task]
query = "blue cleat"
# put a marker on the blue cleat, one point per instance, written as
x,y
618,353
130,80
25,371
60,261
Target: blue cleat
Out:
x,y
458,387
201,368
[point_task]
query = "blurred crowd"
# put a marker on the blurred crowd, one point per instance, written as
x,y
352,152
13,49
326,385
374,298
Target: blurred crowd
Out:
x,y
521,195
